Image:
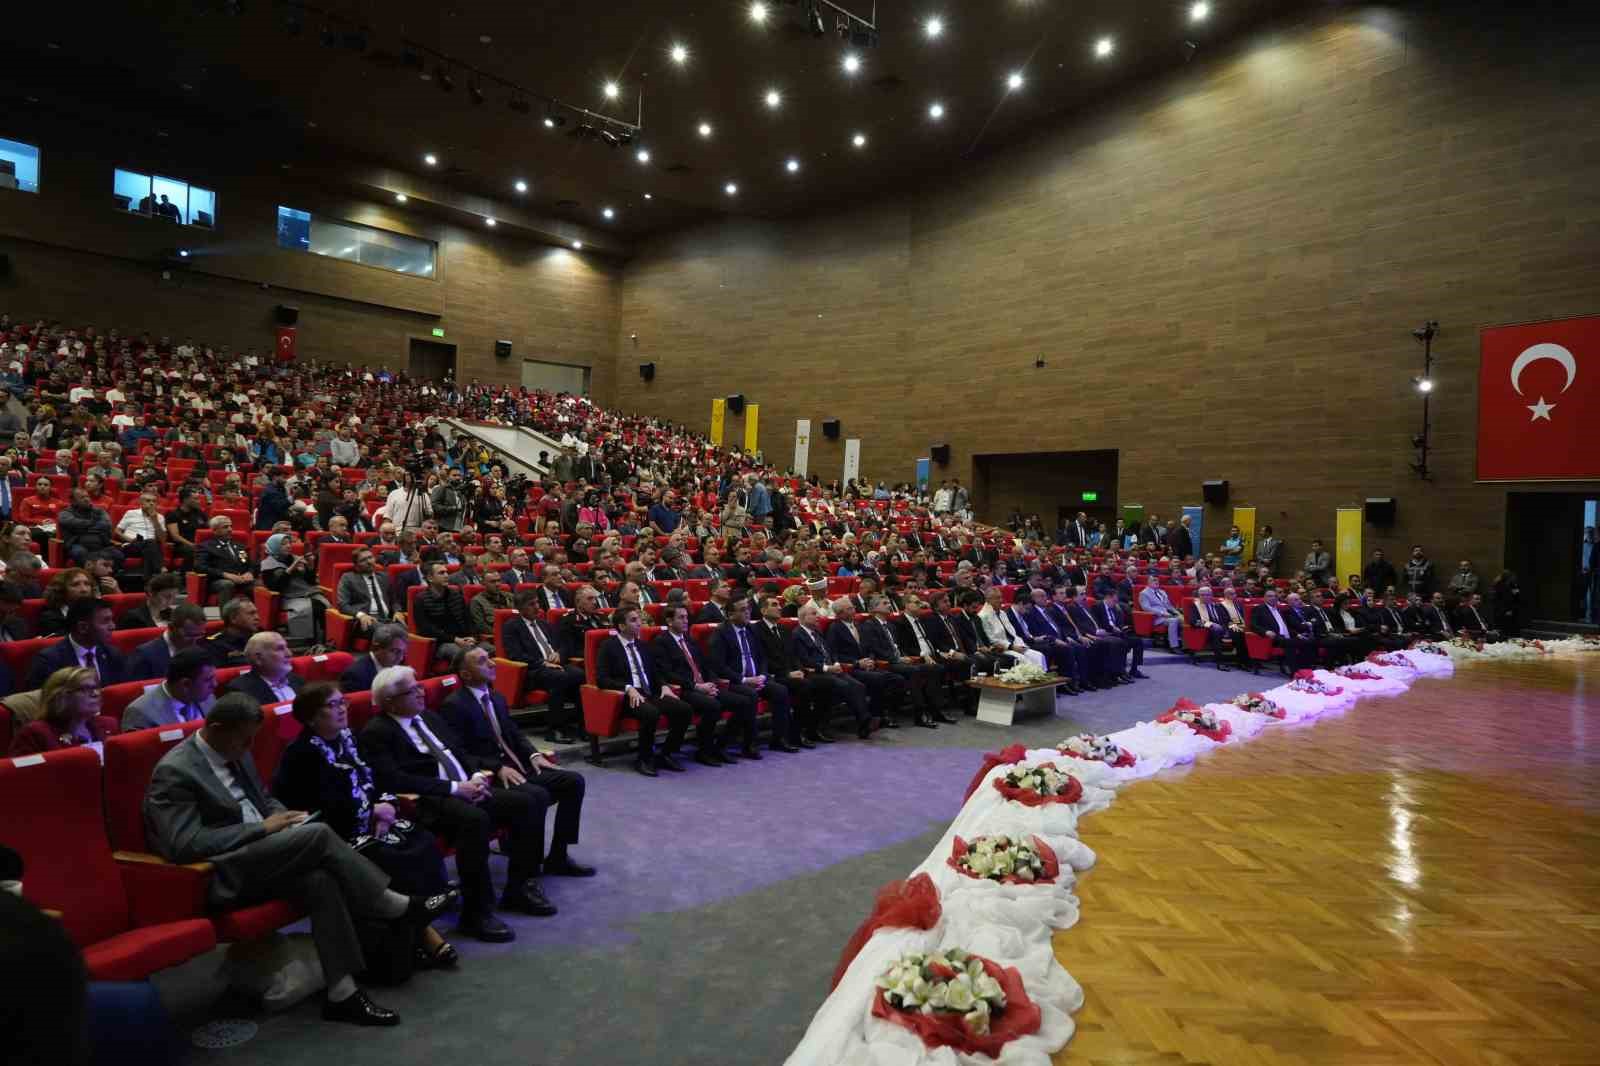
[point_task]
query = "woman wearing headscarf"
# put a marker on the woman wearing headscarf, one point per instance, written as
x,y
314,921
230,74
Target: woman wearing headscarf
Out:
x,y
294,578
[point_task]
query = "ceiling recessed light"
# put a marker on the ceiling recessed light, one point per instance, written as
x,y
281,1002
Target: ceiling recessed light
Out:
x,y
792,166
484,38
1014,82
489,222
1199,11
934,27
577,246
608,213
680,54
732,189
642,155
1104,47
521,186
936,111
647,196
399,197
774,98
612,90
431,159
851,63
758,12
549,123
859,140
705,129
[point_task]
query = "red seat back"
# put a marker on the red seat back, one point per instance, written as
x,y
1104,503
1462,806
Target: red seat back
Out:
x,y
130,760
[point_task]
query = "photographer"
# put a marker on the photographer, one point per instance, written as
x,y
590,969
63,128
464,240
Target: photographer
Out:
x,y
408,505
449,501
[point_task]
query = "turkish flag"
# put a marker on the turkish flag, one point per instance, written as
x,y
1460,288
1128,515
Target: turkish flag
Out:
x,y
1539,400
286,344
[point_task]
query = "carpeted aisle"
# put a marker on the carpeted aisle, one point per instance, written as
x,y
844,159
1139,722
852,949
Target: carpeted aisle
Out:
x,y
723,899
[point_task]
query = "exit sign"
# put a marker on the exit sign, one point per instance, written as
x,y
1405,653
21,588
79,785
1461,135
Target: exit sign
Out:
x,y
1091,497
437,332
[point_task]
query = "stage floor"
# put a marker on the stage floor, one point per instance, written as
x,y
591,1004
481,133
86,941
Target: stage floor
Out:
x,y
1415,881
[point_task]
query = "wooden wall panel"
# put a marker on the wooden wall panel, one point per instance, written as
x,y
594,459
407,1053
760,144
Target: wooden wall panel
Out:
x,y
1220,271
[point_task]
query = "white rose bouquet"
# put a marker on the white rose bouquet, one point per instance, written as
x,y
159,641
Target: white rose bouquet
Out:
x,y
1046,780
1255,701
1024,673
1092,748
951,981
1000,858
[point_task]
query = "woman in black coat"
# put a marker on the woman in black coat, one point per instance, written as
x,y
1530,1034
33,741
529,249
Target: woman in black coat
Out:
x,y
321,770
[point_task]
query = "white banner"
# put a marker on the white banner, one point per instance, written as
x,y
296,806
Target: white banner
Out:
x,y
802,446
852,459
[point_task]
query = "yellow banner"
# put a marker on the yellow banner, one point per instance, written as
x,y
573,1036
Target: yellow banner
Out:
x,y
1347,542
717,407
1245,519
752,417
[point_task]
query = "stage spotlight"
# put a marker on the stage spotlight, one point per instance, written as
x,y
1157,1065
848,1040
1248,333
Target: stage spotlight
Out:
x,y
643,155
399,197
577,246
431,159
521,186
1423,384
705,129
680,54
489,222
553,119
612,90
1199,11
859,140
1014,82
1104,47
792,166
936,111
732,189
851,63
774,99
608,213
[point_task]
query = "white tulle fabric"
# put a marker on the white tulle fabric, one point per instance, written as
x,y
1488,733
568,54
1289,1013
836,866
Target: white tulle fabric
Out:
x,y
1013,924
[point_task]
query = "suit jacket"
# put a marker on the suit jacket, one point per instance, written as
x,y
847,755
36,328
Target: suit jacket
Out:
x,y
573,626
149,660
156,708
670,663
906,639
968,632
1198,616
217,557
1426,618
611,670
846,647
464,714
253,686
710,614
397,765
273,505
810,651
357,677
354,595
1155,600
547,601
60,655
137,618
1390,617
515,577
878,641
1472,621
189,816
769,647
398,585
1123,622
1261,620
1179,542
521,646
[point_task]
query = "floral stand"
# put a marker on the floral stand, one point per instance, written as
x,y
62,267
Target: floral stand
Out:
x,y
997,700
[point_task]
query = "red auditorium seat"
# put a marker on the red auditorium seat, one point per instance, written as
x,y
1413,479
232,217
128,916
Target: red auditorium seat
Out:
x,y
130,919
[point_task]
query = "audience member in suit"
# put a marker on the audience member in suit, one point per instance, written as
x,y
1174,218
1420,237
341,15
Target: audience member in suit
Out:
x,y
322,770
552,596
520,572
441,613
1117,621
529,640
240,622
460,797
1472,620
87,644
185,629
1271,620
1302,619
1386,624
999,631
185,696
1341,647
624,666
829,682
409,578
886,690
271,678
361,594
1180,540
480,718
1056,637
924,678
224,561
740,655
1204,613
1431,619
677,659
206,804
1154,599
1108,662
715,612
161,598
966,624
584,616
387,647
70,705
921,634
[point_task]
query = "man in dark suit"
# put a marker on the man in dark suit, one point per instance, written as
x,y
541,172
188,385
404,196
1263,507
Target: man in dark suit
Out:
x,y
584,616
953,642
1117,621
240,622
1473,622
1107,659
1386,625
924,679
738,656
1287,632
529,640
886,690
520,572
361,594
1341,647
186,629
1048,631
678,660
441,613
161,595
826,673
551,595
1180,540
715,612
802,729
273,506
87,644
387,647
624,666
205,803
479,716
1431,619
1204,613
224,561
271,678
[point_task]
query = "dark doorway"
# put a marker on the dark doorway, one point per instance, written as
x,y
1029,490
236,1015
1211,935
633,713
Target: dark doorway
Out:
x,y
431,360
1544,548
1052,485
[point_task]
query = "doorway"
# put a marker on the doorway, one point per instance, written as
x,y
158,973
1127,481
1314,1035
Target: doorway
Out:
x,y
1053,485
1545,549
431,360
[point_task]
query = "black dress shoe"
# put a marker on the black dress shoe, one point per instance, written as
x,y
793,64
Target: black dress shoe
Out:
x,y
924,722
567,868
784,745
357,1009
945,718
422,910
1140,674
528,898
891,723
822,736
728,755
665,761
646,766
864,730
709,758
751,752
485,927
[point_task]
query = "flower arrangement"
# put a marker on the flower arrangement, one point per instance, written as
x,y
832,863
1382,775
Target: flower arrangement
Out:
x,y
1428,647
1093,748
1198,719
1001,858
1034,786
1306,681
1355,673
1467,643
1379,658
952,982
1025,673
1255,701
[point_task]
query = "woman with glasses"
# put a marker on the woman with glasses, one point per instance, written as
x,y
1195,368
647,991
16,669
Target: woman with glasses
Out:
x,y
70,700
321,770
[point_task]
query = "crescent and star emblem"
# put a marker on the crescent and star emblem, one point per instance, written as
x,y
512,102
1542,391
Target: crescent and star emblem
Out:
x,y
1555,353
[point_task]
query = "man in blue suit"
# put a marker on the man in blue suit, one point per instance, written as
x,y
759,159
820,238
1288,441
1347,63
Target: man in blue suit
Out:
x,y
737,656
386,647
185,629
87,644
530,640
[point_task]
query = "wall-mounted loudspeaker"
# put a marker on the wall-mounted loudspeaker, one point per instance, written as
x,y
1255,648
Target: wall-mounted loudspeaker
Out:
x,y
647,371
940,453
285,315
1214,492
736,403
502,349
830,428
1380,510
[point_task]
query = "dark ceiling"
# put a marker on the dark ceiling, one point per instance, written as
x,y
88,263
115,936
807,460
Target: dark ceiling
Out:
x,y
334,79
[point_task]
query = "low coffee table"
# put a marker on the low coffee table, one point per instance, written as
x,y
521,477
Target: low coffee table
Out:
x,y
997,700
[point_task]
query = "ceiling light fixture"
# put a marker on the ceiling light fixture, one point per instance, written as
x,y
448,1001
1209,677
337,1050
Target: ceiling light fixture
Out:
x,y
1014,82
647,196
608,213
705,129
399,197
936,111
520,186
851,63
758,12
612,90
859,140
792,166
431,159
549,123
489,222
934,27
732,189
774,99
577,246
642,155
1104,47
1199,11
680,54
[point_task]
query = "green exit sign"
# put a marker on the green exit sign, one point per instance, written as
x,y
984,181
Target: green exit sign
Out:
x,y
437,332
1091,497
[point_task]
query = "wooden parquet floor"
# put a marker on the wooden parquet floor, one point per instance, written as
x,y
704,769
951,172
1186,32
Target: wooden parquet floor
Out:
x,y
1417,881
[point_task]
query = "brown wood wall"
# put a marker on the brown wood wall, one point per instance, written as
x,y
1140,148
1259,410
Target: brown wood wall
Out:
x,y
1221,273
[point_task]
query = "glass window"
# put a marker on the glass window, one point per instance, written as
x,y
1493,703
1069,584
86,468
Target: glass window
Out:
x,y
132,191
19,166
168,199
355,243
202,207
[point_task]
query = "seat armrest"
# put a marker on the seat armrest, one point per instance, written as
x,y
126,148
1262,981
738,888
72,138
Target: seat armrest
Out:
x,y
160,891
509,678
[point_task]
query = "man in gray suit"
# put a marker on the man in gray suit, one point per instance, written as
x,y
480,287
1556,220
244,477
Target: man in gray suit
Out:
x,y
206,804
184,696
364,594
1153,598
